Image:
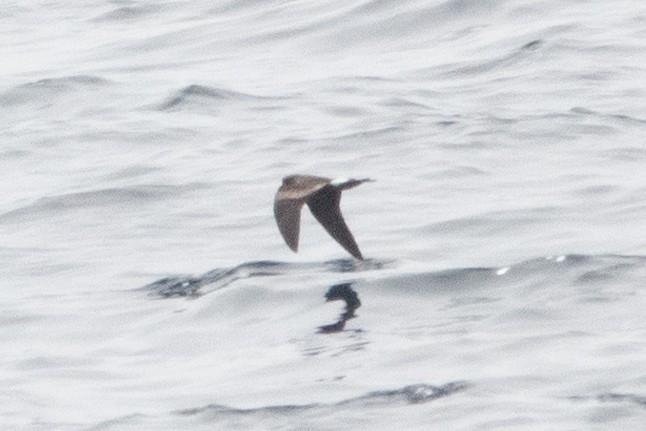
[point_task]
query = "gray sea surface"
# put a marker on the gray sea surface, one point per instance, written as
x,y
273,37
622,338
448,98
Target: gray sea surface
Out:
x,y
144,283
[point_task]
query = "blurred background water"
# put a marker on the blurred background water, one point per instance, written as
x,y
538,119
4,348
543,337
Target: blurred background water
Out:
x,y
144,282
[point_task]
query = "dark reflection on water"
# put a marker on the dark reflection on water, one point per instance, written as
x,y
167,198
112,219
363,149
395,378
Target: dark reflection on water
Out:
x,y
343,292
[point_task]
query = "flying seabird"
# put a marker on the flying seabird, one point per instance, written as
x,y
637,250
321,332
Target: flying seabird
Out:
x,y
322,196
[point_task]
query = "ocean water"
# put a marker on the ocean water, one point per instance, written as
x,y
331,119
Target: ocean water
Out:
x,y
144,284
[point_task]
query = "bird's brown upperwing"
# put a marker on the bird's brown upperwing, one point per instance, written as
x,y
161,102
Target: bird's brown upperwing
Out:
x,y
288,218
324,205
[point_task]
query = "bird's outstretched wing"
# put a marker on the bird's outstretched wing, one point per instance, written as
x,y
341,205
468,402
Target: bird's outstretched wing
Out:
x,y
288,218
324,205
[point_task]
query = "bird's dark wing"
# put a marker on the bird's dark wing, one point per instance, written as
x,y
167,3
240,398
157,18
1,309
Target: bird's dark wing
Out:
x,y
324,205
288,218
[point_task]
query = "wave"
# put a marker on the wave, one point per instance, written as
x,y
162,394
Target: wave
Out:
x,y
412,394
126,13
66,82
283,416
478,67
45,89
494,221
615,397
341,27
627,119
196,95
575,268
195,286
56,205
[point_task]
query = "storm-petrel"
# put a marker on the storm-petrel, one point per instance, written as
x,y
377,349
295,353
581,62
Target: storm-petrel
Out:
x,y
322,196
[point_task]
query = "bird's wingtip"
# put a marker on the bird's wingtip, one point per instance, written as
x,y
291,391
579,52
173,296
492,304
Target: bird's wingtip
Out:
x,y
293,247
